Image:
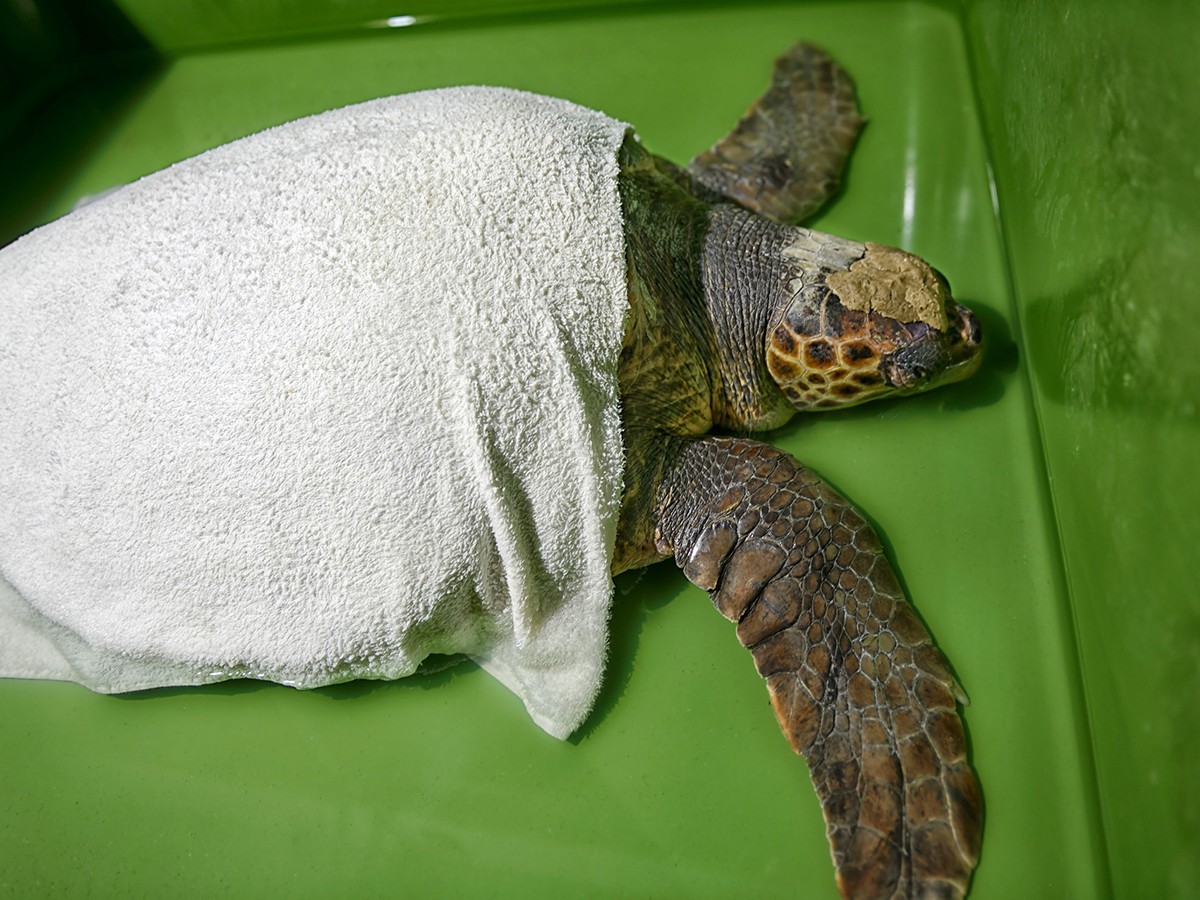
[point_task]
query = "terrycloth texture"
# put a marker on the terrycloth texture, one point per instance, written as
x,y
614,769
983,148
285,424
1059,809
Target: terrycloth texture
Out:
x,y
321,402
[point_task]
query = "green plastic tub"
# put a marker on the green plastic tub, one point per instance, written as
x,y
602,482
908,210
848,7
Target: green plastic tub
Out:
x,y
1043,516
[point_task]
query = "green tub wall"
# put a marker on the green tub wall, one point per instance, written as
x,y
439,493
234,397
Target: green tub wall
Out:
x,y
1091,123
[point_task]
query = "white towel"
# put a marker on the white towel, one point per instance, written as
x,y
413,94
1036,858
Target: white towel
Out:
x,y
321,402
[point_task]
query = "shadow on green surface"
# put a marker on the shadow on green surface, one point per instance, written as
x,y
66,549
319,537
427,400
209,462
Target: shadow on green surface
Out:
x,y
70,70
57,138
435,673
636,596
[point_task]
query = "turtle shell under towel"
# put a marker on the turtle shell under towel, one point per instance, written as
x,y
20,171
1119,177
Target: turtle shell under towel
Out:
x,y
318,403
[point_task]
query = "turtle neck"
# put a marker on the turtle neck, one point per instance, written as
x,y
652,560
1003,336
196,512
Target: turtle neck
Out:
x,y
744,289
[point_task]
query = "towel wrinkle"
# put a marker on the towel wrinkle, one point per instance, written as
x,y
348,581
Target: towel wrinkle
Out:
x,y
322,402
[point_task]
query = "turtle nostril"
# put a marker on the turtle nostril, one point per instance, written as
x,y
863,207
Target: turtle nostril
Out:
x,y
971,330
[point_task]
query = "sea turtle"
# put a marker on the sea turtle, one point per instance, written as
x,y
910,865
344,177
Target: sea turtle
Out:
x,y
743,321
735,321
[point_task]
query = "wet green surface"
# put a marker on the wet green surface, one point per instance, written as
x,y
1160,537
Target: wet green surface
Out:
x,y
1094,125
680,785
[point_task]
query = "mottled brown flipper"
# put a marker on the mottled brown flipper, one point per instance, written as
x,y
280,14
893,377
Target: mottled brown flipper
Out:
x,y
854,679
785,157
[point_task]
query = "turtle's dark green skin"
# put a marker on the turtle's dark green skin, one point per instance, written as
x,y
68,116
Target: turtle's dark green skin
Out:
x,y
737,321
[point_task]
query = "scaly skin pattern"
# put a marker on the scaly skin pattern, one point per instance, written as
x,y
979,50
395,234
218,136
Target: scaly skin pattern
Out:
x,y
784,159
737,321
856,683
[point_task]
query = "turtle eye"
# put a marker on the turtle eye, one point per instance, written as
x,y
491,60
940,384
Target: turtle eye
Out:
x,y
917,330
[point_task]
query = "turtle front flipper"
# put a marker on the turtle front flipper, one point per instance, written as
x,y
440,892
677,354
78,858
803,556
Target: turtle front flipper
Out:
x,y
784,159
856,683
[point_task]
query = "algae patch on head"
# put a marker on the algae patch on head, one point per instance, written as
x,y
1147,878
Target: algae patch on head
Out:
x,y
893,283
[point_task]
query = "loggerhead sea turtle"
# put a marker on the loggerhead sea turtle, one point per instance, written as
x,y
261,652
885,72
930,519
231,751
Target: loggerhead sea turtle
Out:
x,y
736,320
742,321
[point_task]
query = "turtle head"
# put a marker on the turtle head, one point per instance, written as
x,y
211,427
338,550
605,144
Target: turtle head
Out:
x,y
866,321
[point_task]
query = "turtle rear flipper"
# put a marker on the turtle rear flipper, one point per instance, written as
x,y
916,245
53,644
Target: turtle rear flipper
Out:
x,y
856,683
784,159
